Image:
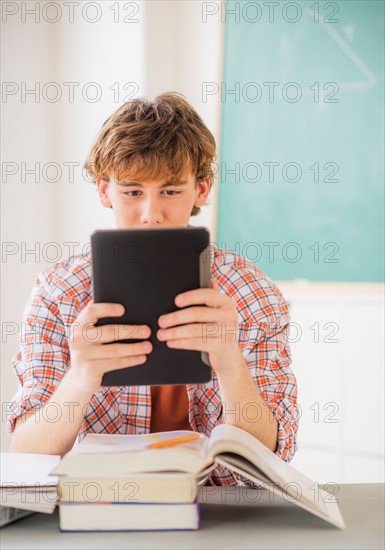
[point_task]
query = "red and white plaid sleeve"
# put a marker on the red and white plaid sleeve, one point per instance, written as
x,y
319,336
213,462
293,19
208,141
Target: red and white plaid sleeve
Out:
x,y
43,356
263,327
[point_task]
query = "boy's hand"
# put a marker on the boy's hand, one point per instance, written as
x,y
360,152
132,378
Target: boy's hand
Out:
x,y
91,358
207,322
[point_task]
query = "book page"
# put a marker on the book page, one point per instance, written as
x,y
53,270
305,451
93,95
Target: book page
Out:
x,y
226,438
100,454
231,459
275,474
329,512
27,470
120,443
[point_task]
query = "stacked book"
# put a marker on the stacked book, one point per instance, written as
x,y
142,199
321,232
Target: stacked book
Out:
x,y
119,483
149,481
26,486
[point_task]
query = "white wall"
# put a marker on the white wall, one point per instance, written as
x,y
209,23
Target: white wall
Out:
x,y
337,335
27,214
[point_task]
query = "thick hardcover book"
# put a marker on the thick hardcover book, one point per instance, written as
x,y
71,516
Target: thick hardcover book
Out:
x,y
229,446
145,269
128,517
151,487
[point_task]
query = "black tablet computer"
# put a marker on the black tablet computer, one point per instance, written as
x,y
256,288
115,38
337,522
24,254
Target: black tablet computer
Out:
x,y
145,269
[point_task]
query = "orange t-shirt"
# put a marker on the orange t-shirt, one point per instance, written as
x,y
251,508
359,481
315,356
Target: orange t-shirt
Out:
x,y
169,408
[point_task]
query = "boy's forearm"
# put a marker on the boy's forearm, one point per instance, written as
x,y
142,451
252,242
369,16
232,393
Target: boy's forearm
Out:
x,y
243,405
54,428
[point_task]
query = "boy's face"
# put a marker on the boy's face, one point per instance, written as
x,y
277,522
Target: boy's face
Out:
x,y
152,204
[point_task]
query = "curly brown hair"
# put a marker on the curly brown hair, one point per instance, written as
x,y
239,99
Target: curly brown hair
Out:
x,y
151,140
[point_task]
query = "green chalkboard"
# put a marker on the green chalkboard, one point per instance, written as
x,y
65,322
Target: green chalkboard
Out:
x,y
301,172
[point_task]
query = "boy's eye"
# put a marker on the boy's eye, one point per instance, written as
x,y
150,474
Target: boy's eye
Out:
x,y
135,193
171,193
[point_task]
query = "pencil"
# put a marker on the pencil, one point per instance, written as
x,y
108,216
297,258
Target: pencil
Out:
x,y
174,441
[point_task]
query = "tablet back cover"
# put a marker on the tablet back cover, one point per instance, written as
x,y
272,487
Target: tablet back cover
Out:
x,y
145,269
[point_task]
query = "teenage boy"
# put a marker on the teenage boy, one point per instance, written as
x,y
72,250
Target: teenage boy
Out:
x,y
152,164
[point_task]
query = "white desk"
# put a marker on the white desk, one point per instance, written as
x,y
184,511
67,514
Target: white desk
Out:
x,y
229,519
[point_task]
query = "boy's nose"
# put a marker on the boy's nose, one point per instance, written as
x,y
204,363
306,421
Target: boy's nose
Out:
x,y
151,213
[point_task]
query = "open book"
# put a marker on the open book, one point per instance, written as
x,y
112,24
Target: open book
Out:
x,y
101,455
25,483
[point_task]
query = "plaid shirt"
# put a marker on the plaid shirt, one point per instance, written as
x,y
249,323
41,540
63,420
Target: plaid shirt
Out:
x,y
63,290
